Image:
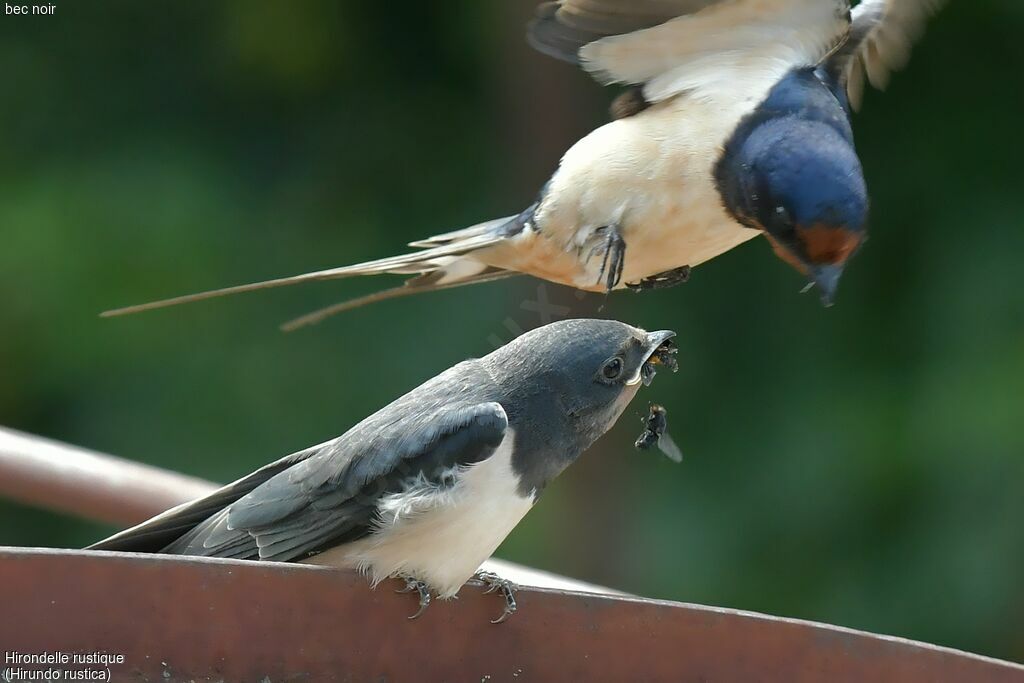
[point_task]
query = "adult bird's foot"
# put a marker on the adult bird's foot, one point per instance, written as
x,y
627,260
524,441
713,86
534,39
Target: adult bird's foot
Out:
x,y
411,585
670,278
614,259
496,583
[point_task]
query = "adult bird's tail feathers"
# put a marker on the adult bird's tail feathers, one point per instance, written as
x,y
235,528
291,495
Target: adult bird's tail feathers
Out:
x,y
472,232
441,264
427,282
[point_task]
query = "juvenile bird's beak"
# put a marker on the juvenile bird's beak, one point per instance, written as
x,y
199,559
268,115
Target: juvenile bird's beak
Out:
x,y
826,279
656,339
657,351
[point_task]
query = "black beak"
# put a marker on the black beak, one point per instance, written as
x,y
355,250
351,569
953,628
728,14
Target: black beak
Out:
x,y
656,339
826,279
658,350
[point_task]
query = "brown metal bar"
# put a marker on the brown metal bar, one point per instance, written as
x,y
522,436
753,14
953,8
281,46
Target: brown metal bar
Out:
x,y
185,619
178,619
93,485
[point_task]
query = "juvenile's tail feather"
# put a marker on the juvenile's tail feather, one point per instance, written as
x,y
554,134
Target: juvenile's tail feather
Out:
x,y
442,255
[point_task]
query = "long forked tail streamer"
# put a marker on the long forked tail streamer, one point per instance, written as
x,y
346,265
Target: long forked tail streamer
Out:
x,y
426,261
322,314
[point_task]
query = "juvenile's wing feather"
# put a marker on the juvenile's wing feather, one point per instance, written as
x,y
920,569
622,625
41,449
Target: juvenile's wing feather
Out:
x,y
155,534
319,505
328,493
326,496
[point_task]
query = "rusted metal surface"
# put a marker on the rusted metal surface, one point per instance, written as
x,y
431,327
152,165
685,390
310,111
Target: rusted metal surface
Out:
x,y
80,482
183,619
177,619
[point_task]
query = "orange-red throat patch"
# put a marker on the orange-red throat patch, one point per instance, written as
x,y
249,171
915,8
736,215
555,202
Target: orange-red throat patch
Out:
x,y
828,245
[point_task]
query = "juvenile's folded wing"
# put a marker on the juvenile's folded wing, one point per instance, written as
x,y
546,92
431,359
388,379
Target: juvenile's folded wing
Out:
x,y
333,497
330,494
324,495
157,533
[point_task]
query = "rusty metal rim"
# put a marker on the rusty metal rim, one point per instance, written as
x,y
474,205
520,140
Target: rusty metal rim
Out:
x,y
157,609
184,619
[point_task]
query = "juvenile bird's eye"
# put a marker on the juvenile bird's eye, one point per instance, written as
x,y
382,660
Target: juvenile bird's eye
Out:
x,y
612,368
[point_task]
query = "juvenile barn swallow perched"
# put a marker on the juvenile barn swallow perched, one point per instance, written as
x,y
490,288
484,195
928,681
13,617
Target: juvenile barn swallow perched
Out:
x,y
429,486
736,123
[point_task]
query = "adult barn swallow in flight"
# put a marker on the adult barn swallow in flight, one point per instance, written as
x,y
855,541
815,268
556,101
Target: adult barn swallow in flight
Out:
x,y
736,122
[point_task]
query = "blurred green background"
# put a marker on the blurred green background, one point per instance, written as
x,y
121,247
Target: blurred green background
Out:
x,y
861,465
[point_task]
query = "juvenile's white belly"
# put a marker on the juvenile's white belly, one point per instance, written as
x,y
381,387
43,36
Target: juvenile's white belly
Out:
x,y
443,538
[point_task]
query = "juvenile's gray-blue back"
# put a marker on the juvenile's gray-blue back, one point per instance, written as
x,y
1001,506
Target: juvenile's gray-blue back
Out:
x,y
541,387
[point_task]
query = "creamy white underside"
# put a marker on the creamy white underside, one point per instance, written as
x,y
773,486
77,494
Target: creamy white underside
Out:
x,y
651,175
440,537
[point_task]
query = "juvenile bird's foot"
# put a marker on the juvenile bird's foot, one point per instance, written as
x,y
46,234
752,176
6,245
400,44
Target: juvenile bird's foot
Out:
x,y
507,588
670,278
613,260
411,585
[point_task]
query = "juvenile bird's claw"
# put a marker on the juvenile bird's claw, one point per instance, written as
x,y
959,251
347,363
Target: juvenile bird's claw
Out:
x,y
421,588
495,583
508,590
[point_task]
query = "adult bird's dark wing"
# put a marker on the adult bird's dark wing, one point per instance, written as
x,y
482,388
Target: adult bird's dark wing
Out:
x,y
699,47
328,494
880,39
560,29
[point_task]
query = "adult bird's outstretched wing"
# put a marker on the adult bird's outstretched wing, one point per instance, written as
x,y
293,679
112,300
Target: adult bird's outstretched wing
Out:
x,y
325,495
560,29
698,47
880,39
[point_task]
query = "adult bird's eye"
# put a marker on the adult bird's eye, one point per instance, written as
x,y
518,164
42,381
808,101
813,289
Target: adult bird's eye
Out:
x,y
612,368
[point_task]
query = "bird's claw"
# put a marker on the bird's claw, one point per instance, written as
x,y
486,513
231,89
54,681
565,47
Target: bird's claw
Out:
x,y
494,584
510,609
421,588
670,278
613,261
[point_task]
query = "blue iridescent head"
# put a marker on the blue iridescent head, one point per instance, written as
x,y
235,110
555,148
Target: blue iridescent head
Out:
x,y
796,176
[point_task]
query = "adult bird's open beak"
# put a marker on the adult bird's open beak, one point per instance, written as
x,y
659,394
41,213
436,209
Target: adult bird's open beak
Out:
x,y
826,279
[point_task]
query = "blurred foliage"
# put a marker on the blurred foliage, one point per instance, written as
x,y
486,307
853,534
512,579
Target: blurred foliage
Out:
x,y
861,465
